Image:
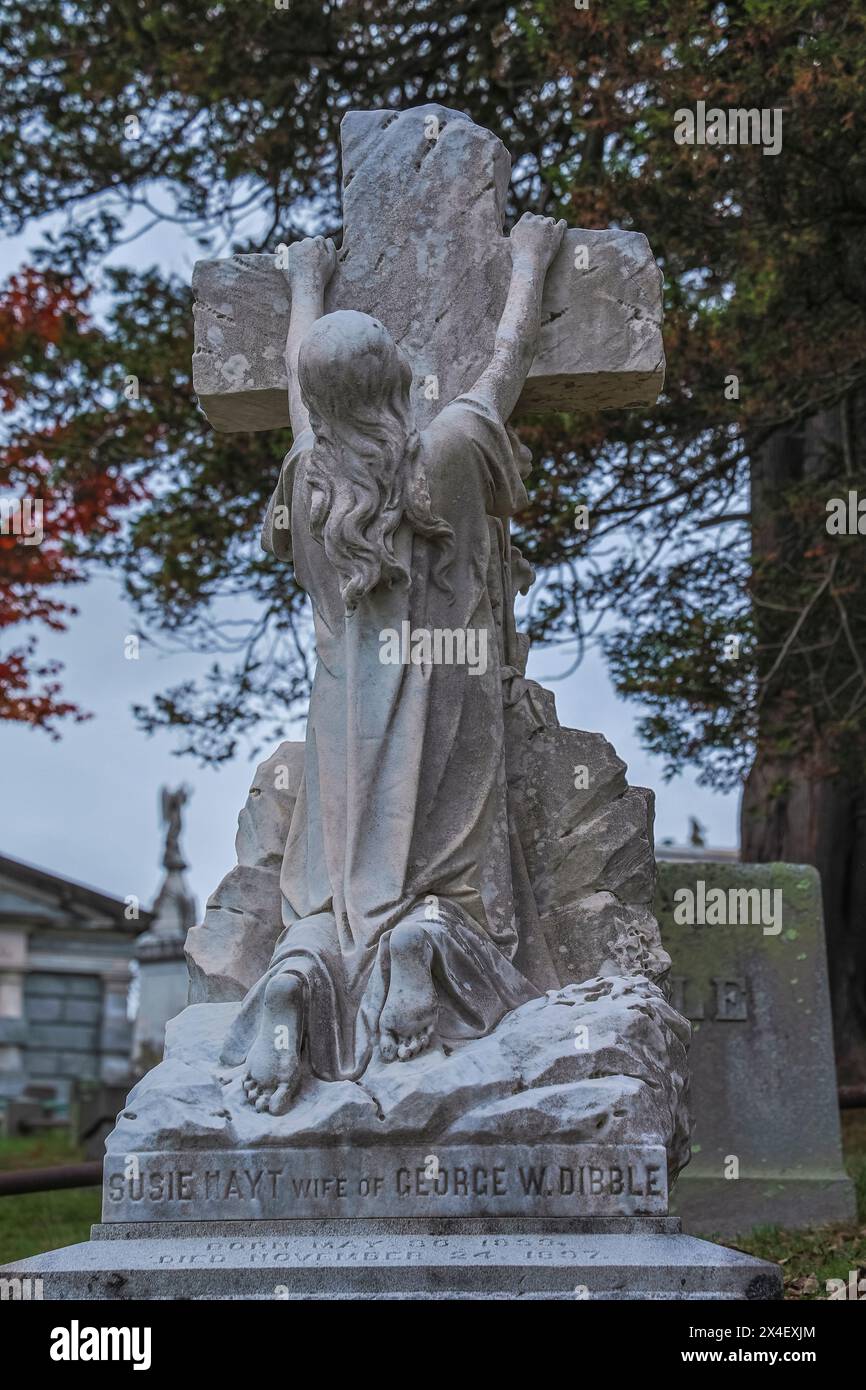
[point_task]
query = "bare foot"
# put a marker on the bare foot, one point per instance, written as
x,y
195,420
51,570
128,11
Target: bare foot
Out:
x,y
409,1016
273,1068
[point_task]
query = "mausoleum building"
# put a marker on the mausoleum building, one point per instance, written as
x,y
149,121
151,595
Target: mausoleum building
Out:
x,y
66,953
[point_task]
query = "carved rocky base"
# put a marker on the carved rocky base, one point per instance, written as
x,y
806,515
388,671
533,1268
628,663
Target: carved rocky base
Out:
x,y
602,1062
624,1259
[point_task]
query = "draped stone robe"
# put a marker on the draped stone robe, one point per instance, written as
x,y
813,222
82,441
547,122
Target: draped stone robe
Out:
x,y
402,811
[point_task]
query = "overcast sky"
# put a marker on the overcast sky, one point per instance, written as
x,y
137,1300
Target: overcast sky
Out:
x,y
87,806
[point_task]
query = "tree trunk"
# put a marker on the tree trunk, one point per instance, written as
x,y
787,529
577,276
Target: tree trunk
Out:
x,y
808,808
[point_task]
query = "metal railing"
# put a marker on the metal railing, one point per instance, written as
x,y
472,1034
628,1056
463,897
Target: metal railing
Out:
x,y
50,1179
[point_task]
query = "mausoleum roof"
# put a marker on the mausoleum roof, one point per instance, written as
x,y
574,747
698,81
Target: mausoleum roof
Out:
x,y
30,893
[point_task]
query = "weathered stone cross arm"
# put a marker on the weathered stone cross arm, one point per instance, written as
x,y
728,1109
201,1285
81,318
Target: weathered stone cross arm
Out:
x,y
423,250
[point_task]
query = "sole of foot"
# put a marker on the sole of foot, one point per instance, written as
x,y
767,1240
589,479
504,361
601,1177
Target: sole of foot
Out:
x,y
408,1020
273,1066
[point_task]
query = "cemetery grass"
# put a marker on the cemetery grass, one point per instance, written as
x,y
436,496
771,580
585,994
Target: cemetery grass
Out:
x,y
40,1221
810,1258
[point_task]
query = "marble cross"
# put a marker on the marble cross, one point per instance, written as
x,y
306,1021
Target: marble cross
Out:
x,y
423,251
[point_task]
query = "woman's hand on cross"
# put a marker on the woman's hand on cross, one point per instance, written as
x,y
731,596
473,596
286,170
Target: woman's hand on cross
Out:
x,y
311,261
535,240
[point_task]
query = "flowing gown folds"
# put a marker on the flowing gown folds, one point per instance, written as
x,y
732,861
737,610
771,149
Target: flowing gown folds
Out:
x,y
402,812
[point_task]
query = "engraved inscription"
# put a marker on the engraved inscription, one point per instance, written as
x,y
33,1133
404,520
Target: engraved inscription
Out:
x,y
540,1180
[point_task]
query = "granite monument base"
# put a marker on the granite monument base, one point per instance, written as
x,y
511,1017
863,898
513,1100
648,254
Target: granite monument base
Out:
x,y
625,1258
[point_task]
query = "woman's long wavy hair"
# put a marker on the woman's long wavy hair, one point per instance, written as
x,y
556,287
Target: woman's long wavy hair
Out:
x,y
366,471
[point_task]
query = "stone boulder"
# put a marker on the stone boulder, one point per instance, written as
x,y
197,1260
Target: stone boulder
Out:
x,y
231,949
603,1061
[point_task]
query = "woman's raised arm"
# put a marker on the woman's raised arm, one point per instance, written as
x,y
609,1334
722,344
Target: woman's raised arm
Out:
x,y
534,243
310,266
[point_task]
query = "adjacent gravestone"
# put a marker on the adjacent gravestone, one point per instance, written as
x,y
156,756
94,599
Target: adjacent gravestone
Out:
x,y
751,975
93,1115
